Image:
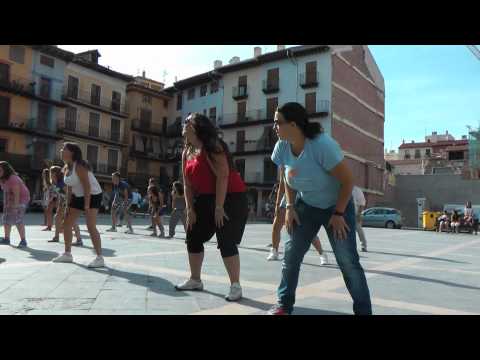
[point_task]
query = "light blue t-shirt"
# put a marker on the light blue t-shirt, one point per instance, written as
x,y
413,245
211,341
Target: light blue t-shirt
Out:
x,y
308,173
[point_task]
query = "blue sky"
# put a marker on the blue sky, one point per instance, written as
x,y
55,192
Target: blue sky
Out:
x,y
428,88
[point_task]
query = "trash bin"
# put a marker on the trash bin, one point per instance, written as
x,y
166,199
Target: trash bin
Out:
x,y
429,220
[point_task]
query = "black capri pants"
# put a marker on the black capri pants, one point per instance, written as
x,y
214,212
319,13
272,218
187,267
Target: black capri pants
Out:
x,y
228,236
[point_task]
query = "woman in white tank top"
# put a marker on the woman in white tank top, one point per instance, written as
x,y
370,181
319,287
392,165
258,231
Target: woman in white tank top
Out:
x,y
84,193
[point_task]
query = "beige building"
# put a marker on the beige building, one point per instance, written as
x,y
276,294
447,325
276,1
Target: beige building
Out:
x,y
96,114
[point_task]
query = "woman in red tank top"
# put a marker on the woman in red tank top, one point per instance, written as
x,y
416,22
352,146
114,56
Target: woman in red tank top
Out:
x,y
216,202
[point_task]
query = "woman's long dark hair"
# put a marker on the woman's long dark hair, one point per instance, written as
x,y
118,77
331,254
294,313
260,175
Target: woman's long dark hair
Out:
x,y
7,170
209,135
178,187
295,112
76,154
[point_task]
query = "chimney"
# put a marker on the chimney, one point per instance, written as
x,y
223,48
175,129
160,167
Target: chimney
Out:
x,y
234,60
257,51
280,47
143,74
446,132
90,55
217,64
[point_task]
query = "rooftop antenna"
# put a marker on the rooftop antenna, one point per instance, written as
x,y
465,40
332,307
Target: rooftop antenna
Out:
x,y
165,73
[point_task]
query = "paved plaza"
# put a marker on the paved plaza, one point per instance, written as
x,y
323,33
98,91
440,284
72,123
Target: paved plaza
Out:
x,y
408,272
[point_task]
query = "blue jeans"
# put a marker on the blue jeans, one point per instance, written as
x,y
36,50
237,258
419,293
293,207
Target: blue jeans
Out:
x,y
311,220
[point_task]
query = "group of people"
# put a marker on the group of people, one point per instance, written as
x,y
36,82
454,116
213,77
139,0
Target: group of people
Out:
x,y
316,190
452,223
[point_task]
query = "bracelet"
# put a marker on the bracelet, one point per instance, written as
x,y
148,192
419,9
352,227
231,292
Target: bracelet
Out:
x,y
218,207
288,206
338,213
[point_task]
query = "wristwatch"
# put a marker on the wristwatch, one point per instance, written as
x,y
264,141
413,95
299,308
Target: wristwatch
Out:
x,y
338,213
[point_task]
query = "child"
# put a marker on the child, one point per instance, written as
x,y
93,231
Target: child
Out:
x,y
61,190
16,198
178,206
156,206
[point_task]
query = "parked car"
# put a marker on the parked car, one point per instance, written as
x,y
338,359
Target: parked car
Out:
x,y
382,217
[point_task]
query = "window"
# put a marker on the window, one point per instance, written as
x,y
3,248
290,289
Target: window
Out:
x,y
94,125
240,140
428,153
272,78
191,94
4,73
17,54
115,130
43,112
3,145
212,114
164,125
4,110
214,87
116,101
145,118
418,155
45,87
95,95
165,104
179,101
147,99
310,103
272,105
47,61
40,152
311,72
203,90
242,111
112,160
240,167
72,89
407,155
92,156
142,166
71,119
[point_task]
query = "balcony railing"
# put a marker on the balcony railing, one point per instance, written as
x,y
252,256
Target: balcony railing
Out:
x,y
251,115
66,126
259,178
262,145
239,92
106,169
102,103
270,86
171,154
147,127
32,125
308,80
31,88
322,108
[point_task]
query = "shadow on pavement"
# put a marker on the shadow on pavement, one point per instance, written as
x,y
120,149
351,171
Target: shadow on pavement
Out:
x,y
40,255
153,283
309,311
418,257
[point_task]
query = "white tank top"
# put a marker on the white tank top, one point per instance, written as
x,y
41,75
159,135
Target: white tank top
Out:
x,y
74,182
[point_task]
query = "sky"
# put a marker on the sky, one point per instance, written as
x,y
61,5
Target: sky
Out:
x,y
427,87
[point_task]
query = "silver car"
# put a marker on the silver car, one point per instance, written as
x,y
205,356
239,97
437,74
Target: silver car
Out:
x,y
382,217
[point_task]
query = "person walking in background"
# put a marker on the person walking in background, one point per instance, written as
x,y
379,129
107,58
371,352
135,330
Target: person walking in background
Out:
x,y
62,195
48,199
360,202
318,191
136,199
16,198
156,206
178,206
151,182
86,196
216,200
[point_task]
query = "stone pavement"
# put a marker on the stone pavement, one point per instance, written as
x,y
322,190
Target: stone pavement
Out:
x,y
409,272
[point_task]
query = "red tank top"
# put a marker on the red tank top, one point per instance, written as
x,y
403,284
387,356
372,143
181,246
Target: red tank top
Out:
x,y
202,178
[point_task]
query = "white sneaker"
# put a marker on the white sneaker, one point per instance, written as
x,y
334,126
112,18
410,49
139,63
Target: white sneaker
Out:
x,y
98,262
323,259
273,256
111,230
190,284
64,258
129,231
235,292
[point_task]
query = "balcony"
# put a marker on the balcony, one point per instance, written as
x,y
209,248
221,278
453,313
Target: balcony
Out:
x,y
322,108
99,103
262,146
31,126
106,169
270,86
239,92
113,138
251,117
257,177
147,127
170,155
30,88
308,80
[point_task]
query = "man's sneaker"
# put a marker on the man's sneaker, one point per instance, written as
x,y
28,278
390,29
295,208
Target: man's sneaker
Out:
x,y
55,239
269,245
153,234
277,310
129,231
273,256
190,284
47,229
64,258
22,244
78,243
112,229
323,259
235,292
5,241
98,262
364,249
